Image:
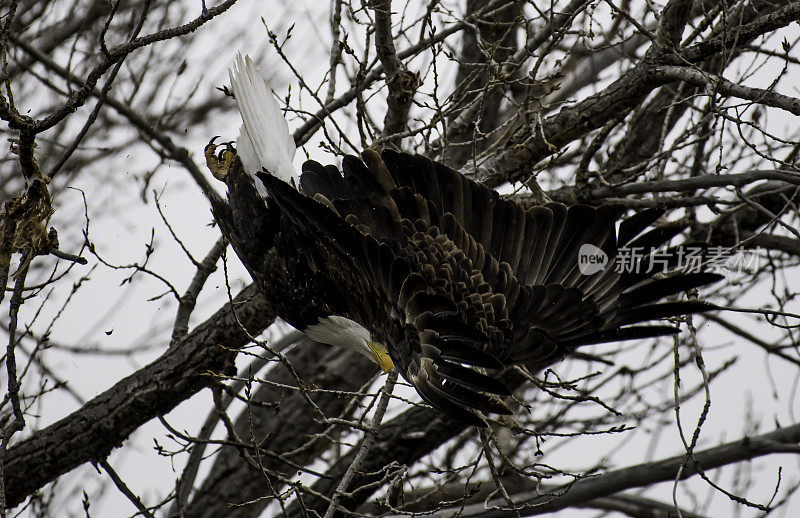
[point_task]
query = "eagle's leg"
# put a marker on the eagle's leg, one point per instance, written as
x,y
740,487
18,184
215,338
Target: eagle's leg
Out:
x,y
219,163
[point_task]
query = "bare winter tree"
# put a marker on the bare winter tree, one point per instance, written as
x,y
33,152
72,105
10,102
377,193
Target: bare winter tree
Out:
x,y
143,378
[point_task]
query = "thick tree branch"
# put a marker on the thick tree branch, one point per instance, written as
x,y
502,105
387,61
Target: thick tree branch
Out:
x,y
726,87
585,490
401,82
674,17
90,433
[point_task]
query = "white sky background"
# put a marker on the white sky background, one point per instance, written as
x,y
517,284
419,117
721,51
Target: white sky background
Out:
x,y
743,399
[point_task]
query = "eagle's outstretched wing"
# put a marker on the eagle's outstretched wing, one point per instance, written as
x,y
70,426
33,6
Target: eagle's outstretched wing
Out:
x,y
469,282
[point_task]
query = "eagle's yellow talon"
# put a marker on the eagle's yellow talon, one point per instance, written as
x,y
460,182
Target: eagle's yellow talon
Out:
x,y
219,164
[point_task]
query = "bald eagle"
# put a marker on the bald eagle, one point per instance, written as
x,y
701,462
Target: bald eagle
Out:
x,y
425,271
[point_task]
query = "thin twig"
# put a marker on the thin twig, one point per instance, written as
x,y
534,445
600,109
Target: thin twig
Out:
x,y
366,444
124,489
18,422
188,300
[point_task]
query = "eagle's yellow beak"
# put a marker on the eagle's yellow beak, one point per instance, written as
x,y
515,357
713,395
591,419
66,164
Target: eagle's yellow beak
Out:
x,y
381,356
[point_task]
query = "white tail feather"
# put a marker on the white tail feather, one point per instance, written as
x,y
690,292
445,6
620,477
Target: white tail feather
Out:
x,y
264,140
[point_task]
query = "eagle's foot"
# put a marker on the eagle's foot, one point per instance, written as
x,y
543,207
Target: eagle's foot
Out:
x,y
219,163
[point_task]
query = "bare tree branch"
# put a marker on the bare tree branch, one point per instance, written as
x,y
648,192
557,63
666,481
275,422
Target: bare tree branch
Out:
x,y
609,102
759,95
90,433
581,491
400,81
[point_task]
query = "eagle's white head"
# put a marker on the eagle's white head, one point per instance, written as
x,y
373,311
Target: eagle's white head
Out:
x,y
343,332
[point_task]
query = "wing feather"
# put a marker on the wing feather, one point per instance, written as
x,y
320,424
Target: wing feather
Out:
x,y
636,224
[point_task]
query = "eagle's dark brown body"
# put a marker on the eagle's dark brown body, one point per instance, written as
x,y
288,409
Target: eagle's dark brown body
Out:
x,y
455,281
